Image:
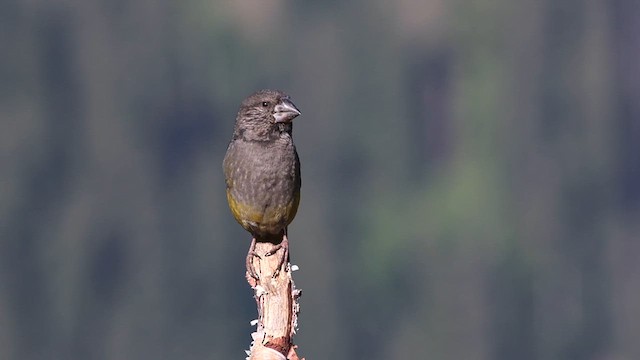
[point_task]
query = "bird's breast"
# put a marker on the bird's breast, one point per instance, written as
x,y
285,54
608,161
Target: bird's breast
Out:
x,y
263,184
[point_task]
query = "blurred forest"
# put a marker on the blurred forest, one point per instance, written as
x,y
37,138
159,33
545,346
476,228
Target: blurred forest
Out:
x,y
471,177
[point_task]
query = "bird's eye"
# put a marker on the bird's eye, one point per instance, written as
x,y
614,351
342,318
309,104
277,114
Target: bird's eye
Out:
x,y
265,103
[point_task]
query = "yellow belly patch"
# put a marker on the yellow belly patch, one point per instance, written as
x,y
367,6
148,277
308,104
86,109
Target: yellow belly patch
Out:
x,y
270,220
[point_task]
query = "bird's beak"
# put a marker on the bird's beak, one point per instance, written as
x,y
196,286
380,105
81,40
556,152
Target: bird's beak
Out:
x,y
285,111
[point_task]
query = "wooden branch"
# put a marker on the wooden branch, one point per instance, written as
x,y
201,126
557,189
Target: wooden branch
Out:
x,y
277,301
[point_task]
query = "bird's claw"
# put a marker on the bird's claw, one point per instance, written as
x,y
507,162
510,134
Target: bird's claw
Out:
x,y
285,256
251,270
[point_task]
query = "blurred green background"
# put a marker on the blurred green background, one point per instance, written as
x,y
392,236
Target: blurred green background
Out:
x,y
471,177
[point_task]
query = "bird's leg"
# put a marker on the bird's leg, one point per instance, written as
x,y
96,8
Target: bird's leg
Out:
x,y
251,270
284,244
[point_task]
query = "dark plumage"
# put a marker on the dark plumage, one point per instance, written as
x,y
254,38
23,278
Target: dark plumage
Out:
x,y
261,167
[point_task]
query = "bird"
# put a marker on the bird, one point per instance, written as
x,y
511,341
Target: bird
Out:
x,y
262,171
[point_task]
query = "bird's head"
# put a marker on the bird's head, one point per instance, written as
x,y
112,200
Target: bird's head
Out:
x,y
265,111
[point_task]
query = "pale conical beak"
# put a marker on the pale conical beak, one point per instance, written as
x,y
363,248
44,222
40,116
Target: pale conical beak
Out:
x,y
285,111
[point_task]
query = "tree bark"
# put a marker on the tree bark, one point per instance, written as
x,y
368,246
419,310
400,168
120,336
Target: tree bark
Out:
x,y
277,302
